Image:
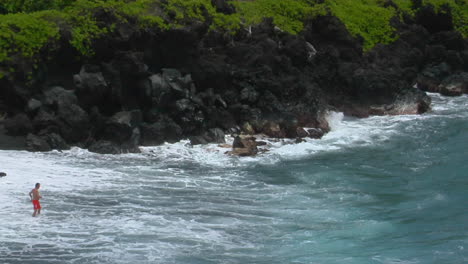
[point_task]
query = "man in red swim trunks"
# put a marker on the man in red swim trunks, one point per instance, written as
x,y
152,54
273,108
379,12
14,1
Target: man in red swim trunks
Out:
x,y
35,196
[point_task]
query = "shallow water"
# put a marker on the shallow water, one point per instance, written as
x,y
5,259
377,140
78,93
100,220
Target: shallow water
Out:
x,y
375,190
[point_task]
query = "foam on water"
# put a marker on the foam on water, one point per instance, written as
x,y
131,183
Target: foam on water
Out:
x,y
178,203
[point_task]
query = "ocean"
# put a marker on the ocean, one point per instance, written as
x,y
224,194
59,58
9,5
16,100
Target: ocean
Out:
x,y
384,189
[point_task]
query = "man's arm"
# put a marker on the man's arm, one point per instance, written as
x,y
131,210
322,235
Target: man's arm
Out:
x,y
30,194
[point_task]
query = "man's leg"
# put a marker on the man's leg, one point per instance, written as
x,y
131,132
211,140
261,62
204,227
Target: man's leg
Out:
x,y
39,211
35,212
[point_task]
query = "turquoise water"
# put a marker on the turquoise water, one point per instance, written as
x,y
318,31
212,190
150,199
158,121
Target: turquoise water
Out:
x,y
376,190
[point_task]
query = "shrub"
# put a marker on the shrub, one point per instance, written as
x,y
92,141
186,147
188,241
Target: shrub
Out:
x,y
366,18
25,34
27,6
288,15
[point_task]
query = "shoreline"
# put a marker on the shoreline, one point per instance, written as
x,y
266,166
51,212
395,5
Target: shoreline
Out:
x,y
194,83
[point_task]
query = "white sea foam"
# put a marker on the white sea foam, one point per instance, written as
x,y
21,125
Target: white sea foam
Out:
x,y
152,207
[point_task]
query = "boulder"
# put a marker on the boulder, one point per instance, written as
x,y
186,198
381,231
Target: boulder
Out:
x,y
315,133
132,145
179,84
249,95
430,78
90,84
273,129
55,141
131,64
33,106
198,140
410,102
3,174
301,132
119,128
105,147
454,85
37,143
44,119
58,95
213,135
165,130
74,122
248,129
19,125
244,146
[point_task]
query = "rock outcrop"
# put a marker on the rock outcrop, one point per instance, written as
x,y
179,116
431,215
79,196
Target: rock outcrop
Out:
x,y
200,84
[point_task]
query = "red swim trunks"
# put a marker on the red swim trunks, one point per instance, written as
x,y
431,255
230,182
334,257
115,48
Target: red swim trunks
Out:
x,y
36,204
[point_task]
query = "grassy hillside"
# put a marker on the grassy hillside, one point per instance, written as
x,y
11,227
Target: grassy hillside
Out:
x,y
28,27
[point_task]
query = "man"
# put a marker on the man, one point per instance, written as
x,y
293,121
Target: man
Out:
x,y
35,196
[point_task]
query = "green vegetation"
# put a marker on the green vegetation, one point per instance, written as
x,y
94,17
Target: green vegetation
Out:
x,y
25,34
366,18
288,15
29,26
27,6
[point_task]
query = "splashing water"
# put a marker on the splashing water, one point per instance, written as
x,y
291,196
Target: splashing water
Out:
x,y
388,189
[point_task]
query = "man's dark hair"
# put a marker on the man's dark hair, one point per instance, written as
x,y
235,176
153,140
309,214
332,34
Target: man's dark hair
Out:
x,y
37,184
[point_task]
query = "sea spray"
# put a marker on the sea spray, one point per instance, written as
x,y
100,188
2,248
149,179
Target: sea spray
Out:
x,y
386,189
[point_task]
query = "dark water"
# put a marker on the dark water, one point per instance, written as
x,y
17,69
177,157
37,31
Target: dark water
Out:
x,y
377,190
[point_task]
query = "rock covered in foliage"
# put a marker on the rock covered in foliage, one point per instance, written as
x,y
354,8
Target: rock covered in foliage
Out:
x,y
162,86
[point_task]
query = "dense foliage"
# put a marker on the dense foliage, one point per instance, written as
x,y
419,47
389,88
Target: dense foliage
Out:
x,y
366,18
28,26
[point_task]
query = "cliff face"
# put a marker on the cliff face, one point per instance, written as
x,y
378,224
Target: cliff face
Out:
x,y
149,87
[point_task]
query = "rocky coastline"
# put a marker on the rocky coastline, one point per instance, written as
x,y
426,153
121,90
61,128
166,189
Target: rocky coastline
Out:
x,y
147,88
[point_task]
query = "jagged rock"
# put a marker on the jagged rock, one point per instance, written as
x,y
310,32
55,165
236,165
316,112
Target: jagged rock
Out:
x,y
158,133
223,6
90,81
213,135
184,105
44,119
265,78
198,140
119,128
244,146
19,125
435,53
54,140
301,132
432,76
301,52
37,143
249,94
411,102
248,129
58,95
180,85
315,133
74,122
131,63
434,20
132,145
33,106
454,85
105,147
273,130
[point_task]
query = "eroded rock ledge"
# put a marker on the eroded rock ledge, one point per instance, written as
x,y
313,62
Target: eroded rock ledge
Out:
x,y
147,88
